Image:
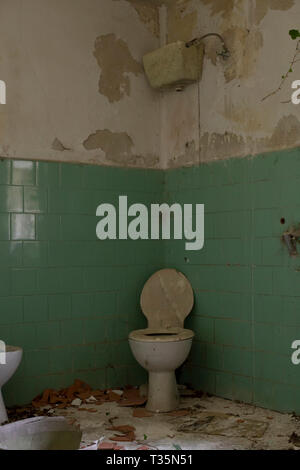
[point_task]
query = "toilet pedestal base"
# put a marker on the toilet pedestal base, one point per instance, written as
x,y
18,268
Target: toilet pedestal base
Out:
x,y
162,392
3,413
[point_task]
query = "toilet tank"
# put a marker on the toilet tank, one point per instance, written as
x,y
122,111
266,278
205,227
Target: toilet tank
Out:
x,y
174,65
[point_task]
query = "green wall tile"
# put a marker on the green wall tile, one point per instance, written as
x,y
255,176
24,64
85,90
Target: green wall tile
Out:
x,y
224,385
68,201
238,361
61,360
82,305
104,354
23,173
116,375
23,227
84,357
35,308
263,280
11,199
59,307
233,333
104,303
24,281
48,281
71,175
290,404
49,334
36,362
47,174
286,281
268,308
197,355
71,279
5,282
35,200
121,354
82,227
242,388
11,310
4,226
5,171
47,227
203,326
263,393
202,379
72,332
95,330
35,253
11,254
214,357
25,336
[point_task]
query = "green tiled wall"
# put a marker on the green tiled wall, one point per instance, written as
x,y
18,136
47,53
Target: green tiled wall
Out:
x,y
247,287
70,300
66,297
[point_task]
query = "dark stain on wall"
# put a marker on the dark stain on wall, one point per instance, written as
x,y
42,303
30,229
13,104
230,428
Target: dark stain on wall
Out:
x,y
116,64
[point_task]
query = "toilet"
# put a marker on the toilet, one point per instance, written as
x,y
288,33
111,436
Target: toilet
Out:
x,y
166,300
12,358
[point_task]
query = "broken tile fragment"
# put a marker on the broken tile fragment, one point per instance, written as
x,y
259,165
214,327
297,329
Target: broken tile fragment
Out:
x,y
141,413
127,433
76,402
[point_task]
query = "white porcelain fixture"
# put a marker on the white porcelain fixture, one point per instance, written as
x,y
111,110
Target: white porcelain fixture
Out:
x,y
13,356
166,300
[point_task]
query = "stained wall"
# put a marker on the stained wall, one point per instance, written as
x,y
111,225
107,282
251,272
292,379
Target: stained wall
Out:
x,y
226,115
76,91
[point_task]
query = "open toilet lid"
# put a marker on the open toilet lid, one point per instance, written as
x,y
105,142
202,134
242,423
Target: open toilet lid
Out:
x,y
167,298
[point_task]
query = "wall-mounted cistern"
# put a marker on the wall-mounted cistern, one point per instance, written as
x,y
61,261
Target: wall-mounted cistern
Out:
x,y
179,63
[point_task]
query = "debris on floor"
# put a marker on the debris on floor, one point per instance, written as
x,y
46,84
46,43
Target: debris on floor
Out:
x,y
117,419
224,425
81,393
201,423
141,413
127,433
295,439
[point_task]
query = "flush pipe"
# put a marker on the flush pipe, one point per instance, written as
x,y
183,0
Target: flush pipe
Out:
x,y
195,42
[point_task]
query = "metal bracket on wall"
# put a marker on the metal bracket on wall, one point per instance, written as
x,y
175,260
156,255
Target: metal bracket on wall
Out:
x,y
225,53
291,238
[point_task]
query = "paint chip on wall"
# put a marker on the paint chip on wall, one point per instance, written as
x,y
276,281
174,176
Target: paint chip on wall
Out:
x,y
116,63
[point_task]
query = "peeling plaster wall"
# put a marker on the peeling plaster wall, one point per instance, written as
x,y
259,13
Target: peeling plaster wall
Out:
x,y
224,116
76,90
73,70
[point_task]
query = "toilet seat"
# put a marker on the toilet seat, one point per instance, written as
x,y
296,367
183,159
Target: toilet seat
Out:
x,y
163,335
166,300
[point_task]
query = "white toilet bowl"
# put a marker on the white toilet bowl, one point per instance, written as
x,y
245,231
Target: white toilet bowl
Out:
x,y
13,356
161,354
167,298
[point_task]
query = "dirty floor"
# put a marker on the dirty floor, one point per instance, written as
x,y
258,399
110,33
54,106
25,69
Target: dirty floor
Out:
x,y
208,423
117,419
